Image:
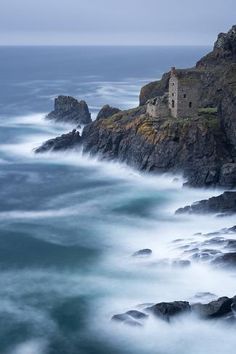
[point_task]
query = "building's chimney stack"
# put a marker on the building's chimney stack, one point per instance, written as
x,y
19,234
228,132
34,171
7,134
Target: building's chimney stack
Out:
x,y
173,71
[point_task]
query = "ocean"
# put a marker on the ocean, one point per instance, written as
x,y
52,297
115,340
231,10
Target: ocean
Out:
x,y
69,223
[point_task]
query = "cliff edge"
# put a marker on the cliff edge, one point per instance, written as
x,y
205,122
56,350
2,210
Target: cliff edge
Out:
x,y
202,147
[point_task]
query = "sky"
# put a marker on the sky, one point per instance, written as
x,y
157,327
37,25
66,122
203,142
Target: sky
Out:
x,y
114,22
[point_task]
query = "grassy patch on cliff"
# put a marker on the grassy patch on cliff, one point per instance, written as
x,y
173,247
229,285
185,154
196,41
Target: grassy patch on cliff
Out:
x,y
154,130
208,110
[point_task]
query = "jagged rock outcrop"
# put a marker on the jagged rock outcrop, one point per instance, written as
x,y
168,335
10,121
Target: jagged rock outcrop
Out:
x,y
70,110
63,142
107,111
224,203
224,50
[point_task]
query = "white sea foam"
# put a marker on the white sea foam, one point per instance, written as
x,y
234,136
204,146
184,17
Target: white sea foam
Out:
x,y
41,214
34,346
118,282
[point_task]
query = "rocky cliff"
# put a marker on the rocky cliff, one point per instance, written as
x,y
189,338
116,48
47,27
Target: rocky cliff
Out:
x,y
203,148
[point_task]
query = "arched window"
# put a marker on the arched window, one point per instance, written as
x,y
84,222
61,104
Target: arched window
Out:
x,y
184,95
190,104
173,104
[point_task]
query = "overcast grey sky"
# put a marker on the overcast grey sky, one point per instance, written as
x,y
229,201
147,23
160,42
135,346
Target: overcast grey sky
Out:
x,y
114,21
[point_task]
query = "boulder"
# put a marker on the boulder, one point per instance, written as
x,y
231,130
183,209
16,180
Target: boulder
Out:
x,y
214,309
226,259
223,308
107,111
63,142
167,310
70,110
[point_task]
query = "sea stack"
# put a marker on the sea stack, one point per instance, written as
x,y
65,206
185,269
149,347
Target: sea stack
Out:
x,y
68,109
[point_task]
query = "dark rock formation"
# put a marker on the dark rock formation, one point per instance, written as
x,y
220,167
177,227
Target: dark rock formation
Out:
x,y
224,203
143,253
224,50
216,248
213,309
225,260
167,310
107,111
68,109
196,147
63,142
222,308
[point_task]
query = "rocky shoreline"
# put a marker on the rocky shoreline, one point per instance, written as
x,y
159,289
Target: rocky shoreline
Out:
x,y
202,148
224,204
222,309
215,249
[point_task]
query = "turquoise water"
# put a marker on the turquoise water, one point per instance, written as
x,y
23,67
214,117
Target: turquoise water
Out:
x,y
69,223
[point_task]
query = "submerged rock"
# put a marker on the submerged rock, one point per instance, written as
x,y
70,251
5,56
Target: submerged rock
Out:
x,y
131,318
224,203
181,263
107,111
142,253
70,110
63,142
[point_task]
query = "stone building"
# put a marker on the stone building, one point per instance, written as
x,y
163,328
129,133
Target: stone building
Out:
x,y
182,99
158,107
184,93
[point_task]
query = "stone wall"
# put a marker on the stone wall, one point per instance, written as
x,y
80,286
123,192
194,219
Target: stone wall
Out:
x,y
158,107
187,99
173,95
184,92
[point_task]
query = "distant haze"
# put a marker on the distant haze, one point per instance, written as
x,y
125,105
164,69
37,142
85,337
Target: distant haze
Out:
x,y
114,22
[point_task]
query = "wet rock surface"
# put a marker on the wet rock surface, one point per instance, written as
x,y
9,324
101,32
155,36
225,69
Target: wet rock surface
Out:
x,y
214,309
70,110
107,111
224,203
143,253
63,142
222,308
167,310
216,248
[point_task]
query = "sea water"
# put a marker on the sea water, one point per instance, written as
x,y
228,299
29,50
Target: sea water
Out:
x,y
70,223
